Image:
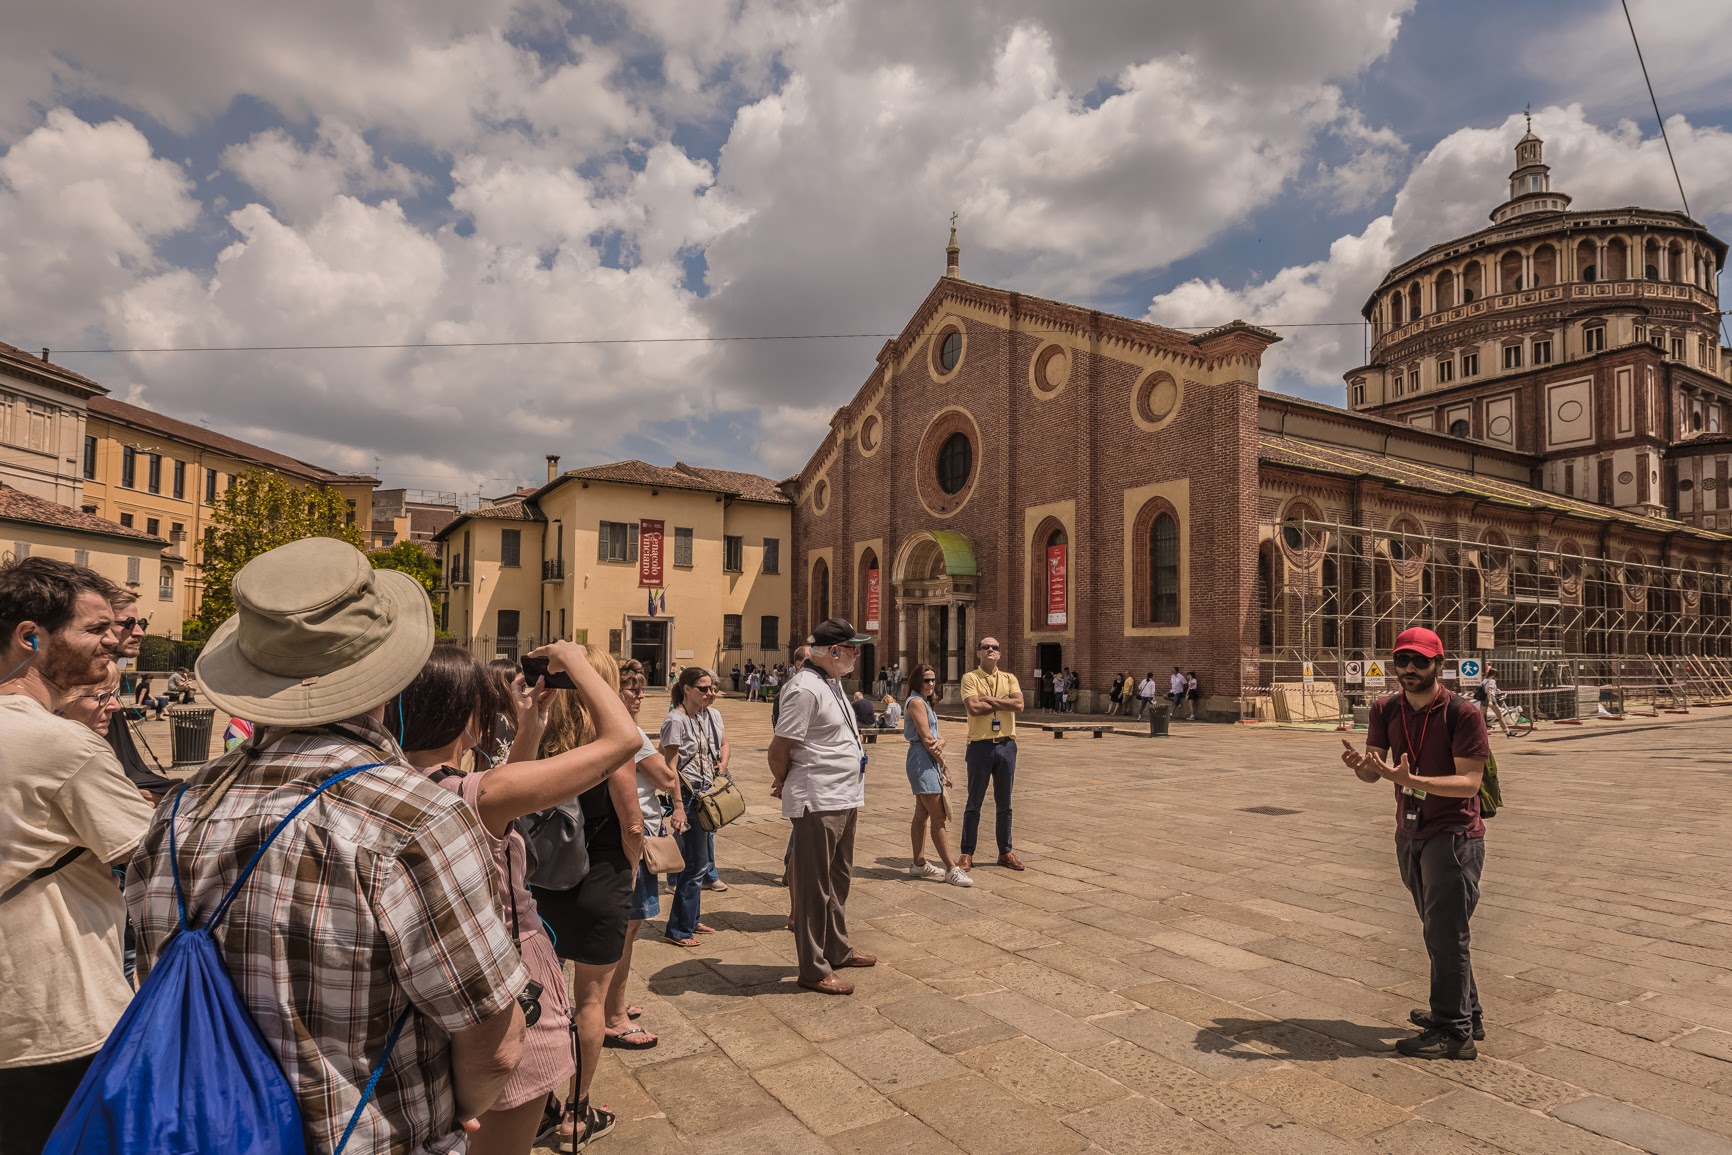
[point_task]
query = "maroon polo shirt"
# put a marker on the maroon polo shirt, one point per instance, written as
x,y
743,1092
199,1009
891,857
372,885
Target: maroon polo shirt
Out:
x,y
1426,738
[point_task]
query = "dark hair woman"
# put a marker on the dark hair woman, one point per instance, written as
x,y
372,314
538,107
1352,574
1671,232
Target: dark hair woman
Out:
x,y
445,712
694,741
927,777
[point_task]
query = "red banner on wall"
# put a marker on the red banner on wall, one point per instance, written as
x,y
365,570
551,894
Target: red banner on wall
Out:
x,y
1055,585
872,600
649,554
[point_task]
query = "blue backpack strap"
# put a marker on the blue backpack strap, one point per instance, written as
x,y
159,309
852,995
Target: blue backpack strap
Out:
x,y
247,870
373,1082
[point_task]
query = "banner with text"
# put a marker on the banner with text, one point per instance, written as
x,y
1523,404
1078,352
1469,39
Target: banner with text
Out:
x,y
649,554
872,600
1055,585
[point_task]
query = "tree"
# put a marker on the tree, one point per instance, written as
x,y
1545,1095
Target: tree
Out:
x,y
412,560
259,511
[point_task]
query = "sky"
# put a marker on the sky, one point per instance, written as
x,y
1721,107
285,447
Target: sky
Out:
x,y
583,194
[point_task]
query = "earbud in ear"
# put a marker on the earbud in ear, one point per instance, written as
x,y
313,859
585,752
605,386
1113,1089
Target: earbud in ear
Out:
x,y
32,640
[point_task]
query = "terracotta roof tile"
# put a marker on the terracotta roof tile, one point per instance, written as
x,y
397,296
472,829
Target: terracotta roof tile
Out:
x,y
198,435
511,509
16,505
33,362
683,476
1320,458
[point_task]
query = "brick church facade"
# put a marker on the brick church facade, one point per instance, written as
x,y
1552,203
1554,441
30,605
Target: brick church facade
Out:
x,y
1109,495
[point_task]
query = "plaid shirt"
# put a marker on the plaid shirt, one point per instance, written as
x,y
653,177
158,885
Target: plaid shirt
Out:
x,y
382,894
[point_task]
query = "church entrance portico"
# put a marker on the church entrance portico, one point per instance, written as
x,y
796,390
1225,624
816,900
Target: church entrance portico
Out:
x,y
934,582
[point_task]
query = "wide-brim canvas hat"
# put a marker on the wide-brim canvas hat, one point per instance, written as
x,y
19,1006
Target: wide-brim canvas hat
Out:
x,y
318,635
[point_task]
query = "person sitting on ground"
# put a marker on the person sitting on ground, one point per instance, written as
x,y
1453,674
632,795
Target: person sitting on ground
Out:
x,y
927,778
453,707
381,897
70,816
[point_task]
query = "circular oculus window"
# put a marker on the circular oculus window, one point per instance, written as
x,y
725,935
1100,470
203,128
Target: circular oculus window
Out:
x,y
955,463
1156,400
1050,371
947,350
871,435
949,462
1626,477
821,496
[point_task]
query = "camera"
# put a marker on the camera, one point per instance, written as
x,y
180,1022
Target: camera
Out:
x,y
530,1001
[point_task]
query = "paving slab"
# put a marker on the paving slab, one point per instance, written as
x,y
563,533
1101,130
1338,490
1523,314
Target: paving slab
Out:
x,y
1641,1129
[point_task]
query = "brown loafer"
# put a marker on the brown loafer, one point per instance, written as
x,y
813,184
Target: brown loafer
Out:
x,y
830,985
966,863
1010,861
858,959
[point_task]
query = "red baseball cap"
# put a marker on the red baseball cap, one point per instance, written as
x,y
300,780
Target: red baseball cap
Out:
x,y
1421,641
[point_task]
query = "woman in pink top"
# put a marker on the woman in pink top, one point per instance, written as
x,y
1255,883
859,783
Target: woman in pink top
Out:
x,y
450,708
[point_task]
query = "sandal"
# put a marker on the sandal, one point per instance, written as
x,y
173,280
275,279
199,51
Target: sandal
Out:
x,y
553,1117
688,943
623,1039
706,929
597,1122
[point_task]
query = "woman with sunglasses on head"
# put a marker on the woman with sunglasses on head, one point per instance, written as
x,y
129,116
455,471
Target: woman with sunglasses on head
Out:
x,y
653,775
693,740
451,708
927,777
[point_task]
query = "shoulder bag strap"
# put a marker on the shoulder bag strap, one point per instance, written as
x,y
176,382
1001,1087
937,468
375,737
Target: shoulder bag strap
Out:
x,y
373,1080
60,863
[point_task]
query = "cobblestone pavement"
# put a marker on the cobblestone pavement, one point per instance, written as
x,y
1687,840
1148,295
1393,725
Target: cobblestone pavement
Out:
x,y
1176,972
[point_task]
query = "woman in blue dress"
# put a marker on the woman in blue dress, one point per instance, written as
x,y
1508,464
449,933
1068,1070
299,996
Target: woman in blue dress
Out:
x,y
927,777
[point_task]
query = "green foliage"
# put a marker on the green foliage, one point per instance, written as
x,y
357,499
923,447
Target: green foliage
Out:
x,y
411,559
258,512
157,652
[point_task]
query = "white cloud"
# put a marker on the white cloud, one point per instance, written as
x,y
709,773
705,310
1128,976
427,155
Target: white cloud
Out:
x,y
302,182
82,210
1590,55
1449,194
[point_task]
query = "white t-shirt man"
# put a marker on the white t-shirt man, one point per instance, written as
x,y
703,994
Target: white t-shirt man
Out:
x,y
827,767
61,984
1176,686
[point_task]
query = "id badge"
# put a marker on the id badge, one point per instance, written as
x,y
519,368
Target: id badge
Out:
x,y
1410,800
862,765
996,724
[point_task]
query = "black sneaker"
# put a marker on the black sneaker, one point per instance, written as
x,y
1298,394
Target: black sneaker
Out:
x,y
1422,1019
1437,1044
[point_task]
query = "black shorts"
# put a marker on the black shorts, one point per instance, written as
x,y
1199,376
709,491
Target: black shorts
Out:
x,y
589,920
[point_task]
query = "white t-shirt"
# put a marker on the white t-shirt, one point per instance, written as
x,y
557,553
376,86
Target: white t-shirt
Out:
x,y
826,769
61,986
646,791
1176,684
700,742
892,715
1146,688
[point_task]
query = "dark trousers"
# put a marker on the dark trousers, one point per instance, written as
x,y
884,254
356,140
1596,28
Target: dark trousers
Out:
x,y
32,1100
1442,874
993,762
822,870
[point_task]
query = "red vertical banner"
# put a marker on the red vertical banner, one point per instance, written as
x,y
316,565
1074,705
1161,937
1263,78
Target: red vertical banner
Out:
x,y
872,600
1055,585
649,554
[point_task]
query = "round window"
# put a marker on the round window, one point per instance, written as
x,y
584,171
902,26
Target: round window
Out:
x,y
1459,428
955,462
1686,485
950,351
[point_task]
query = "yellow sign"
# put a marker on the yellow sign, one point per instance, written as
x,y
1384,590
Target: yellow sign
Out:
x,y
1374,670
1310,672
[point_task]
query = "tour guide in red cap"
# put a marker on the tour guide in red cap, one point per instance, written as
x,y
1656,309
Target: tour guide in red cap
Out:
x,y
1439,835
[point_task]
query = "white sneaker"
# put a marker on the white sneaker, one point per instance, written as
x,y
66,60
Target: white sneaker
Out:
x,y
925,870
957,878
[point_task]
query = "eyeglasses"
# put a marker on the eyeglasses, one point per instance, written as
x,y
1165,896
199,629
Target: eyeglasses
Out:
x,y
993,646
126,625
705,689
101,699
928,678
1408,658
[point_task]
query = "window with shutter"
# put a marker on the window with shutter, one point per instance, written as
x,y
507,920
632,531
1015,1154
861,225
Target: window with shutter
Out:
x,y
132,570
732,627
682,548
772,555
769,632
734,554
510,547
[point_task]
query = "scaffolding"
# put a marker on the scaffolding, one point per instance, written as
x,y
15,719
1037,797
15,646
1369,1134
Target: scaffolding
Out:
x,y
1566,634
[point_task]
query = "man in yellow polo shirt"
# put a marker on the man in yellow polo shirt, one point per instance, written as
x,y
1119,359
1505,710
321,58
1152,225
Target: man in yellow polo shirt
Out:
x,y
993,698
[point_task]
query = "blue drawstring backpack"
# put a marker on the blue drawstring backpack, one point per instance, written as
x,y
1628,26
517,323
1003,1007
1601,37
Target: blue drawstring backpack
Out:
x,y
186,1071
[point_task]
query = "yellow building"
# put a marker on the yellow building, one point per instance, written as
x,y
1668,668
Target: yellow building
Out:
x,y
41,424
161,476
564,561
31,526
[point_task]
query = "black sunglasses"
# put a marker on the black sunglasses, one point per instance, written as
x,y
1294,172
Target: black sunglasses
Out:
x,y
995,649
1408,658
126,624
928,678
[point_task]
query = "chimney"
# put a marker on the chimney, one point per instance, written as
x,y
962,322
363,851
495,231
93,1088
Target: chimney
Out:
x,y
552,466
45,354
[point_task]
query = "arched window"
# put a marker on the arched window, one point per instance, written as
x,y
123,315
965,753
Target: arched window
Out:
x,y
1415,305
1545,266
1046,613
1617,259
1651,259
1586,254
1158,593
1675,263
1509,272
1397,310
820,593
1444,292
1472,283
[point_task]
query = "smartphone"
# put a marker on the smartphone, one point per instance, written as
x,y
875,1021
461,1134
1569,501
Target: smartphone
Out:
x,y
536,668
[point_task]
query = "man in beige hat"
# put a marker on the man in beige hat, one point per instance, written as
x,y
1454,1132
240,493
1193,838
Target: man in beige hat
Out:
x,y
378,898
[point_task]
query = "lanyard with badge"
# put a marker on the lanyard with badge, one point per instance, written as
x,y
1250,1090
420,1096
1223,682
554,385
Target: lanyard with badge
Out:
x,y
996,724
1410,797
847,712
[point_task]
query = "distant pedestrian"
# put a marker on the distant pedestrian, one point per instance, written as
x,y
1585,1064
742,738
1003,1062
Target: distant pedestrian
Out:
x,y
1061,692
1439,833
865,712
1127,693
993,699
754,681
1193,694
1176,686
734,674
818,769
1115,693
1145,694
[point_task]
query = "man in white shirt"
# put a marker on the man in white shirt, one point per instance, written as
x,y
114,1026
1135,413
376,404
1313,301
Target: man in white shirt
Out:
x,y
818,770
67,814
1176,690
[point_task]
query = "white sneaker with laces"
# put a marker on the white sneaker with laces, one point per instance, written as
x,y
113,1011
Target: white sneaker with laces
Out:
x,y
957,878
925,870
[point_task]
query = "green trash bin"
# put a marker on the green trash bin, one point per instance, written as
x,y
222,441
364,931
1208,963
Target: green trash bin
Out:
x,y
189,728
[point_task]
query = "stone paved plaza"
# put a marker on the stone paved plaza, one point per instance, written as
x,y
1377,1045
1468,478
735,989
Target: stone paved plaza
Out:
x,y
1177,973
